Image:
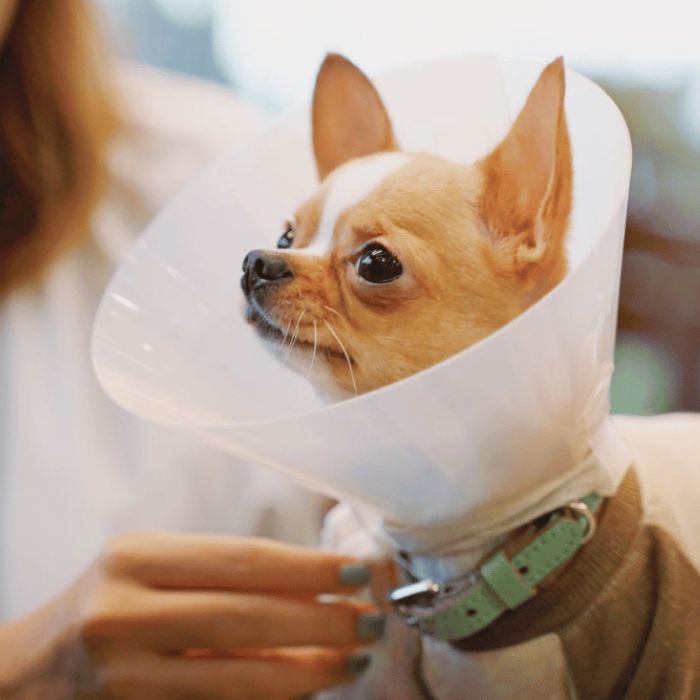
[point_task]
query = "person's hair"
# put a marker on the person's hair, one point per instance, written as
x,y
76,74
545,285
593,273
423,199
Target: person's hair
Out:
x,y
57,116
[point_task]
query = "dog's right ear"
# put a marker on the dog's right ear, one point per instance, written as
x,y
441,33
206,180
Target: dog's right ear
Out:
x,y
349,118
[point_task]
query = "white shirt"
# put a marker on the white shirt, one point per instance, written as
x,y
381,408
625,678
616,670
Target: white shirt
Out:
x,y
75,470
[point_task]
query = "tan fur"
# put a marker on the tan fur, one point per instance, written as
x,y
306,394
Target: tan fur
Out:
x,y
349,118
526,198
478,243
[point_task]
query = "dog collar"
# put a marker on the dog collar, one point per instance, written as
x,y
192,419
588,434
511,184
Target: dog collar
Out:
x,y
462,606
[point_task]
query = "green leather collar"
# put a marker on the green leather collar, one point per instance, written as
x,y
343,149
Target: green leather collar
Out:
x,y
506,579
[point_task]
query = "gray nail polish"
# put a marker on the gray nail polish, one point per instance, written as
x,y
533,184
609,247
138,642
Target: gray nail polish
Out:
x,y
357,664
370,627
355,575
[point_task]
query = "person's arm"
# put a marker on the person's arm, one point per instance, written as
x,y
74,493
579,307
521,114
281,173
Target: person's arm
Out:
x,y
161,616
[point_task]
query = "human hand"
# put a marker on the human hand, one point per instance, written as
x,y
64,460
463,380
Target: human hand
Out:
x,y
184,616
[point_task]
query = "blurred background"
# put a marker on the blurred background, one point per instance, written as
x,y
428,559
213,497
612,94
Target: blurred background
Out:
x,y
645,54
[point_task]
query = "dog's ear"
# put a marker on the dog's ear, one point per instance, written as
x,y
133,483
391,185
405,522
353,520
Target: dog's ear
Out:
x,y
349,118
526,198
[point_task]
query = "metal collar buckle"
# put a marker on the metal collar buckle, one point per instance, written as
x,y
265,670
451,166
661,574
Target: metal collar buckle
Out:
x,y
422,599
419,593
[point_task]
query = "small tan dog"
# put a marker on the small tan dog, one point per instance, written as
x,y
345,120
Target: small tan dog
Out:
x,y
403,259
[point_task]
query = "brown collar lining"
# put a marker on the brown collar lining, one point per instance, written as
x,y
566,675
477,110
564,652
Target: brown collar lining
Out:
x,y
578,585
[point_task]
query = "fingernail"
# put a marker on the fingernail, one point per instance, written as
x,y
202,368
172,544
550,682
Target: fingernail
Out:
x,y
357,664
354,575
370,627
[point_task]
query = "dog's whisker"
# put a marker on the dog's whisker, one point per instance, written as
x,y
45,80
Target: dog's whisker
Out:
x,y
345,352
313,355
293,338
328,308
295,335
286,333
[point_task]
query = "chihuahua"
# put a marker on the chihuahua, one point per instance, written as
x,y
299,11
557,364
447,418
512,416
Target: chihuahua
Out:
x,y
400,260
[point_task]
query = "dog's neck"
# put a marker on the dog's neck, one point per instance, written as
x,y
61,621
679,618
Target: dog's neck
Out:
x,y
452,549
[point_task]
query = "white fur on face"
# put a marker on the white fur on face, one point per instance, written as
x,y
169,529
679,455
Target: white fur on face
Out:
x,y
347,188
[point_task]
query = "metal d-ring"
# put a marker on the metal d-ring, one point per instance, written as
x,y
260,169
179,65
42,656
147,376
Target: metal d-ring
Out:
x,y
582,509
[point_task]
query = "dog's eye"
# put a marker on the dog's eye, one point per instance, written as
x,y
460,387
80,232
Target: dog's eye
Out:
x,y
287,238
377,265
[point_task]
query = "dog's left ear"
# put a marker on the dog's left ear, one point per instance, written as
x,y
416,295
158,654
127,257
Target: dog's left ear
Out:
x,y
349,118
526,198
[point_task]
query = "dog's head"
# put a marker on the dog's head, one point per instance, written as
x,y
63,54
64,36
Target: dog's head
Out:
x,y
400,260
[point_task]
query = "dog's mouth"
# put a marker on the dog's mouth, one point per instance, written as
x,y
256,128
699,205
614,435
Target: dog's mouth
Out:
x,y
263,327
289,340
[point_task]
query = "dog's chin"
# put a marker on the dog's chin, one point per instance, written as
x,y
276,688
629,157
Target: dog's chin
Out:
x,y
299,356
264,329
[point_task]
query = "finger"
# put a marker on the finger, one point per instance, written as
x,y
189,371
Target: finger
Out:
x,y
164,560
248,678
173,621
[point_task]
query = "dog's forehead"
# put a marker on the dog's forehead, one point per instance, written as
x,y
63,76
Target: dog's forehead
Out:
x,y
347,187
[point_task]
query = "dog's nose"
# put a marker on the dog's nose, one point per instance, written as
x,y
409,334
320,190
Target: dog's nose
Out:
x,y
261,267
